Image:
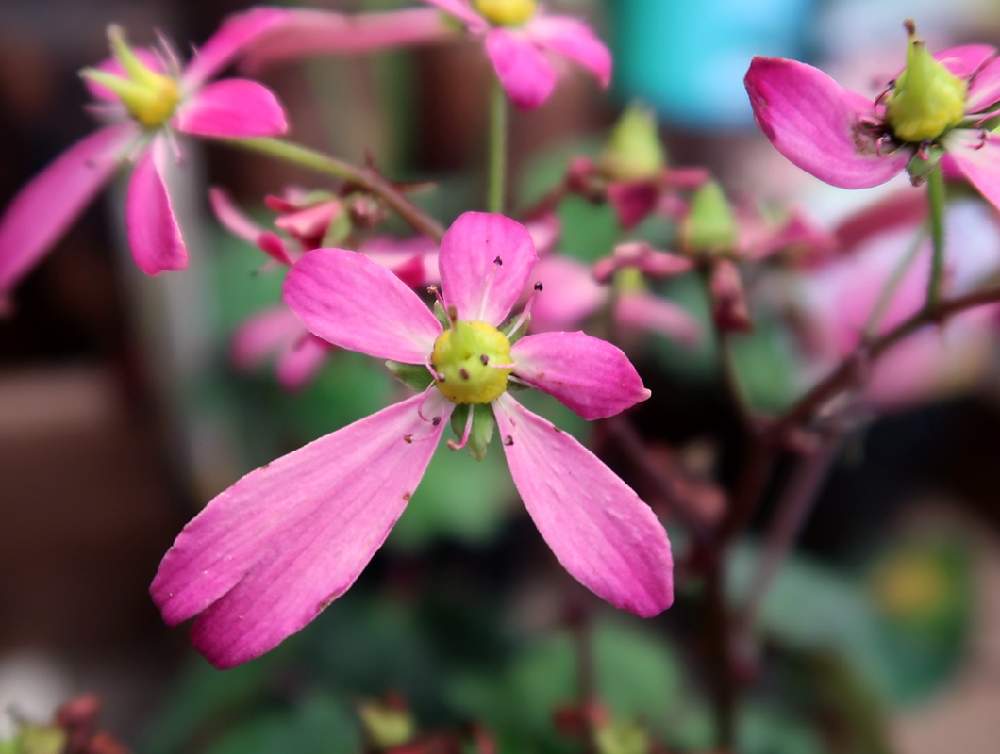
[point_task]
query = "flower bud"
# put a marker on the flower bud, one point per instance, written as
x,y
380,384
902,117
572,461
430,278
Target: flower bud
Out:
x,y
387,725
927,99
709,225
634,150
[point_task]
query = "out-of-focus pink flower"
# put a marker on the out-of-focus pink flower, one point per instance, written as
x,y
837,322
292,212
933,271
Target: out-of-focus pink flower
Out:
x,y
523,43
570,294
146,98
272,551
851,141
305,217
838,304
306,32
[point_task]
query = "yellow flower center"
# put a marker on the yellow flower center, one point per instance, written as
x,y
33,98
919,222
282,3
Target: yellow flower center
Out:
x,y
927,99
507,12
470,361
150,97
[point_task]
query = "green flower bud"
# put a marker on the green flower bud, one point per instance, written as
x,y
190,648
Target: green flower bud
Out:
x,y
927,99
386,726
507,12
634,150
469,359
710,225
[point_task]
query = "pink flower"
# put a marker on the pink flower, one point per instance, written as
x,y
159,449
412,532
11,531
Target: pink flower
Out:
x,y
146,99
852,141
278,334
837,304
570,294
268,554
520,39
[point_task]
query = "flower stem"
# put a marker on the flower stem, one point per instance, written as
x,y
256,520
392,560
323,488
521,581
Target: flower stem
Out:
x,y
935,202
366,178
497,187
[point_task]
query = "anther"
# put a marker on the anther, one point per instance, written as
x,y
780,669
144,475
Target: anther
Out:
x,y
408,438
508,440
453,313
538,286
463,373
437,419
498,261
484,359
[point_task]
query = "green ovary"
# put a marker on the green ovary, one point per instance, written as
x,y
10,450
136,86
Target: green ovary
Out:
x,y
507,12
927,98
150,97
466,359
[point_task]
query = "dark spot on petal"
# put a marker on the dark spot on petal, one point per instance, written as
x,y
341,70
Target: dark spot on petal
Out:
x,y
508,440
437,419
408,439
406,496
498,261
538,285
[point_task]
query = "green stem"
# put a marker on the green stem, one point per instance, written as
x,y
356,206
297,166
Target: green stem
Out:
x,y
892,285
366,178
935,203
497,149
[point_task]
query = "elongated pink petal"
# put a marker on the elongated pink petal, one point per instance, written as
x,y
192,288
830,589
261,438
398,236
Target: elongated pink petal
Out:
x,y
412,260
302,361
111,65
237,33
311,221
232,217
814,122
265,334
42,211
232,108
525,73
309,32
641,256
600,531
153,234
486,260
350,301
268,554
569,294
761,237
463,11
977,155
964,60
589,375
984,92
574,40
648,313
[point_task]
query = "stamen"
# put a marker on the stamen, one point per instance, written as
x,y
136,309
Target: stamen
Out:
x,y
523,319
503,366
538,286
508,440
466,432
434,291
484,359
434,373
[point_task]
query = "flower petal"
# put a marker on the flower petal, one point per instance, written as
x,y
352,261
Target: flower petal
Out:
x,y
977,155
569,294
985,89
575,40
587,374
42,211
413,260
153,234
263,335
463,11
237,32
648,313
232,108
525,73
600,531
486,260
633,201
964,60
350,301
307,32
814,122
302,361
269,553
241,226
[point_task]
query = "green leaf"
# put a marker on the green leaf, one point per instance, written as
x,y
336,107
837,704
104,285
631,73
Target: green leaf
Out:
x,y
321,725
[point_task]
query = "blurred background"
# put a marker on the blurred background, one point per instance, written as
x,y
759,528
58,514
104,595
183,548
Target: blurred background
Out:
x,y
121,413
